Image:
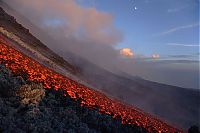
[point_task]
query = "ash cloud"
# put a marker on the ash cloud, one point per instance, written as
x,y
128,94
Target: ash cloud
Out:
x,y
90,34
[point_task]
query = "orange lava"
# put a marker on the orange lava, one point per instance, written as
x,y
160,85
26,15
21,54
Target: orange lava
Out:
x,y
18,63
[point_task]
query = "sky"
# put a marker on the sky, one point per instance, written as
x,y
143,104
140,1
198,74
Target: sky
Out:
x,y
164,27
154,39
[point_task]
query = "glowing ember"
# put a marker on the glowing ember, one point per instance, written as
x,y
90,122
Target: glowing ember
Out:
x,y
19,63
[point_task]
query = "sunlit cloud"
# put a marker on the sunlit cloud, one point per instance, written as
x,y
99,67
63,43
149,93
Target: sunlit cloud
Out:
x,y
155,56
127,52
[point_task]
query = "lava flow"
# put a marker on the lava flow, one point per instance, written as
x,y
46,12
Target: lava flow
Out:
x,y
19,63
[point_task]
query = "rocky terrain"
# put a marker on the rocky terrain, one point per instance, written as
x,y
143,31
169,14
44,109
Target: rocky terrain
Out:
x,y
27,107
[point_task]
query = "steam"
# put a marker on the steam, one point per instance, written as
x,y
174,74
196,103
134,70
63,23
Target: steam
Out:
x,y
92,35
71,20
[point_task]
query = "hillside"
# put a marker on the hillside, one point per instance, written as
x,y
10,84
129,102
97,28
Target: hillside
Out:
x,y
24,66
27,107
170,103
21,65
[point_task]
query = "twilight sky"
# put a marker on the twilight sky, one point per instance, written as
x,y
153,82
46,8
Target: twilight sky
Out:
x,y
155,39
164,27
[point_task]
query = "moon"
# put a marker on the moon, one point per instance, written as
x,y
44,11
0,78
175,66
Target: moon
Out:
x,y
135,8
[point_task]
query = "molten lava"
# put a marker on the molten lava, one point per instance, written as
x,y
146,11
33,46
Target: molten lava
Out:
x,y
19,63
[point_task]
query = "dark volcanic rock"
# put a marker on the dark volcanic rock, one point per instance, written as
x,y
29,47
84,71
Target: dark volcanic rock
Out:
x,y
193,129
28,107
8,83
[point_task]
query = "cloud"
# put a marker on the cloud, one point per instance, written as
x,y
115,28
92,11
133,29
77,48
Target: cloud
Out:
x,y
177,29
155,56
78,22
177,61
177,9
182,45
91,3
182,56
127,52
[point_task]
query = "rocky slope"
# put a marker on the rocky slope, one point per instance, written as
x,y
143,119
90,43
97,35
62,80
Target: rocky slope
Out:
x,y
26,67
27,107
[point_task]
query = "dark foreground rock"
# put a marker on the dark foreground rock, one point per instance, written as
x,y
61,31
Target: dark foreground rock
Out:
x,y
27,107
193,129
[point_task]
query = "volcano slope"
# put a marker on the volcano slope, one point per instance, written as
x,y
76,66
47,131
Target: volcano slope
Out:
x,y
122,118
26,106
175,105
33,71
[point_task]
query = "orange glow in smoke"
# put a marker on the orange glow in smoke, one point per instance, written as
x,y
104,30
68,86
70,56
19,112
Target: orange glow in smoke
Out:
x,y
19,63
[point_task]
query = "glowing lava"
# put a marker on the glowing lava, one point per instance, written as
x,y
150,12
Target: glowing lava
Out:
x,y
19,63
